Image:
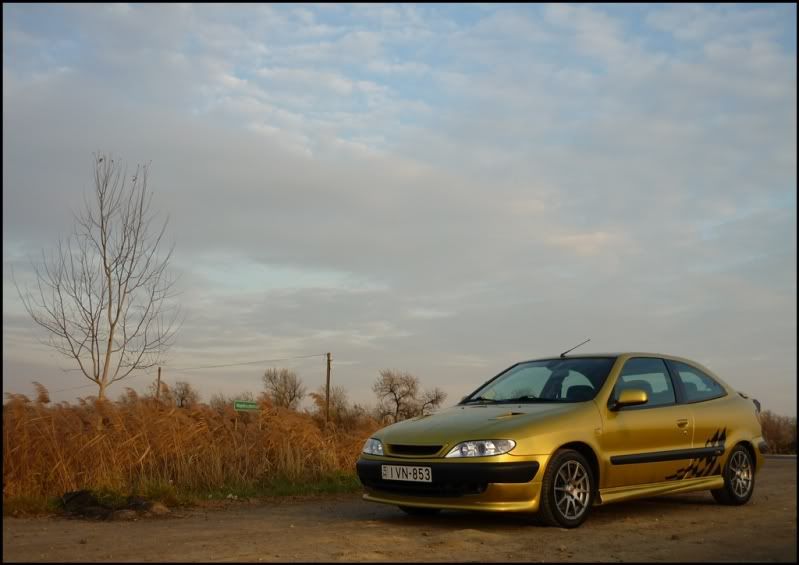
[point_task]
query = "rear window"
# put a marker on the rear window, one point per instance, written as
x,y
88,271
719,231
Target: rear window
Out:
x,y
697,385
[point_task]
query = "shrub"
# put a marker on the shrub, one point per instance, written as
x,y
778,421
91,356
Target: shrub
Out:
x,y
779,432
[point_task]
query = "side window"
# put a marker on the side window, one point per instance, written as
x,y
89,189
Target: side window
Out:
x,y
647,374
697,385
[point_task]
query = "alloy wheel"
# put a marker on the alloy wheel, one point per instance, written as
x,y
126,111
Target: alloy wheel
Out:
x,y
740,474
572,489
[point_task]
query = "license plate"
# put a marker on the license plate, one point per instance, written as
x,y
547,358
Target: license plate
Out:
x,y
407,473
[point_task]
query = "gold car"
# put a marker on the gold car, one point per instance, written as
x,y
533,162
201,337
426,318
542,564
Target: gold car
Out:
x,y
556,436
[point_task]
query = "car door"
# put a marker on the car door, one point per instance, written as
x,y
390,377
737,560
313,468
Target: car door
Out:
x,y
707,402
646,443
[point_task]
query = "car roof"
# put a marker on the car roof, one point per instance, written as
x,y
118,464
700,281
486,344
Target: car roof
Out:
x,y
625,354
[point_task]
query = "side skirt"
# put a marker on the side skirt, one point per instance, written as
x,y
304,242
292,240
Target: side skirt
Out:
x,y
617,494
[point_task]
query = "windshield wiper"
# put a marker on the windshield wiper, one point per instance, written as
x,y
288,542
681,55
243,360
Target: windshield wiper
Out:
x,y
527,397
480,399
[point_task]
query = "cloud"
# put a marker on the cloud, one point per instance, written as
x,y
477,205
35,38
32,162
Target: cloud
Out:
x,y
696,23
585,243
445,189
428,313
308,79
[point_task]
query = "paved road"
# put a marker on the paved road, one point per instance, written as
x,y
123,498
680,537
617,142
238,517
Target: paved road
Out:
x,y
688,528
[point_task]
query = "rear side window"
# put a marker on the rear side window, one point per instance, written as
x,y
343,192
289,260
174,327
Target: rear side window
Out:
x,y
651,376
697,385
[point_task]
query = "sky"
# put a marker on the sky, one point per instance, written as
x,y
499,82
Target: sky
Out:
x,y
439,189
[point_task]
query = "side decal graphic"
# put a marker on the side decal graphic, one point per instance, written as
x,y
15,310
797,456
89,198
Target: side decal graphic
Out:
x,y
703,466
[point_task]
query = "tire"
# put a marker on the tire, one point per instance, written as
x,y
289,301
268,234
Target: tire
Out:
x,y
418,511
568,473
739,478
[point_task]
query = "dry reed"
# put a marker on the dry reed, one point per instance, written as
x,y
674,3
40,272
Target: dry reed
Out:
x,y
125,446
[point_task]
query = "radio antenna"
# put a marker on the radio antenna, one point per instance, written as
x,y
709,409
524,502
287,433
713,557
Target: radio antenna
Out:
x,y
563,355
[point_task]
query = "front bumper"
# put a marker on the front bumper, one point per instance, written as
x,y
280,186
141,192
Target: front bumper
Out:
x,y
496,486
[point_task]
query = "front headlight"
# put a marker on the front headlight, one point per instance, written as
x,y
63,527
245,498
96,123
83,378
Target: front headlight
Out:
x,y
482,448
373,447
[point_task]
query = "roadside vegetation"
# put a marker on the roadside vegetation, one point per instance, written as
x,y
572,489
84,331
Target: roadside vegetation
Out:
x,y
779,432
170,447
153,448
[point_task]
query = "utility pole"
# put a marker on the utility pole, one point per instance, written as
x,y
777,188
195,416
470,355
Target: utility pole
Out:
x,y
158,385
327,395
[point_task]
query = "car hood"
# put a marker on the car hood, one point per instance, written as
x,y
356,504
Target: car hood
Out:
x,y
480,421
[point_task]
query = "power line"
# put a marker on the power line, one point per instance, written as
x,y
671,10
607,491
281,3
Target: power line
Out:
x,y
71,388
86,386
244,363
196,368
148,371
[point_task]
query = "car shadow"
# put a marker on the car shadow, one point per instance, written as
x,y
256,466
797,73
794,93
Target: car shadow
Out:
x,y
650,507
460,519
647,508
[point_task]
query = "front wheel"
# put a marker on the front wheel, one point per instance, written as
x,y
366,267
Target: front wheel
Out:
x,y
418,511
739,479
567,490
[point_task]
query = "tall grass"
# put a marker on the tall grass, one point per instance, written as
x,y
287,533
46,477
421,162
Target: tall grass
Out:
x,y
139,445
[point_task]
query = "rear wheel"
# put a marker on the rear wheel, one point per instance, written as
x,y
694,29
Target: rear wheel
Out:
x,y
739,479
567,490
418,511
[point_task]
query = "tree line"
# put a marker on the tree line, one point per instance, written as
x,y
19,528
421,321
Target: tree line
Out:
x,y
399,396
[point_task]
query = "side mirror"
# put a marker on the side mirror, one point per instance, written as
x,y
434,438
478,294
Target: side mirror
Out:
x,y
630,397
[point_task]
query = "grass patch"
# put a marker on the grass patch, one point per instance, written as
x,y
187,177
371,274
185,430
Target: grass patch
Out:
x,y
30,505
166,493
335,483
160,491
332,484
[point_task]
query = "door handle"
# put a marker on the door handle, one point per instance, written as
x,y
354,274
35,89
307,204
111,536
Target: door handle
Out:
x,y
682,422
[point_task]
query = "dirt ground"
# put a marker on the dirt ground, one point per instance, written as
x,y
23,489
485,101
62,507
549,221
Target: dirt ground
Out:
x,y
689,527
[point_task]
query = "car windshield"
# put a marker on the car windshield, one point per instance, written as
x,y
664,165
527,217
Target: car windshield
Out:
x,y
549,380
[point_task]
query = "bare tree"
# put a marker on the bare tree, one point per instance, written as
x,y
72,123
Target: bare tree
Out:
x,y
779,432
339,404
283,387
104,295
396,393
185,395
398,396
431,400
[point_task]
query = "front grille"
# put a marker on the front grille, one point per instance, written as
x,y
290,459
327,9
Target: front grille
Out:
x,y
448,489
413,450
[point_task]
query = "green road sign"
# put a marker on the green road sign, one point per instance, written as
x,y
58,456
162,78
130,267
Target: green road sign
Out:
x,y
244,405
